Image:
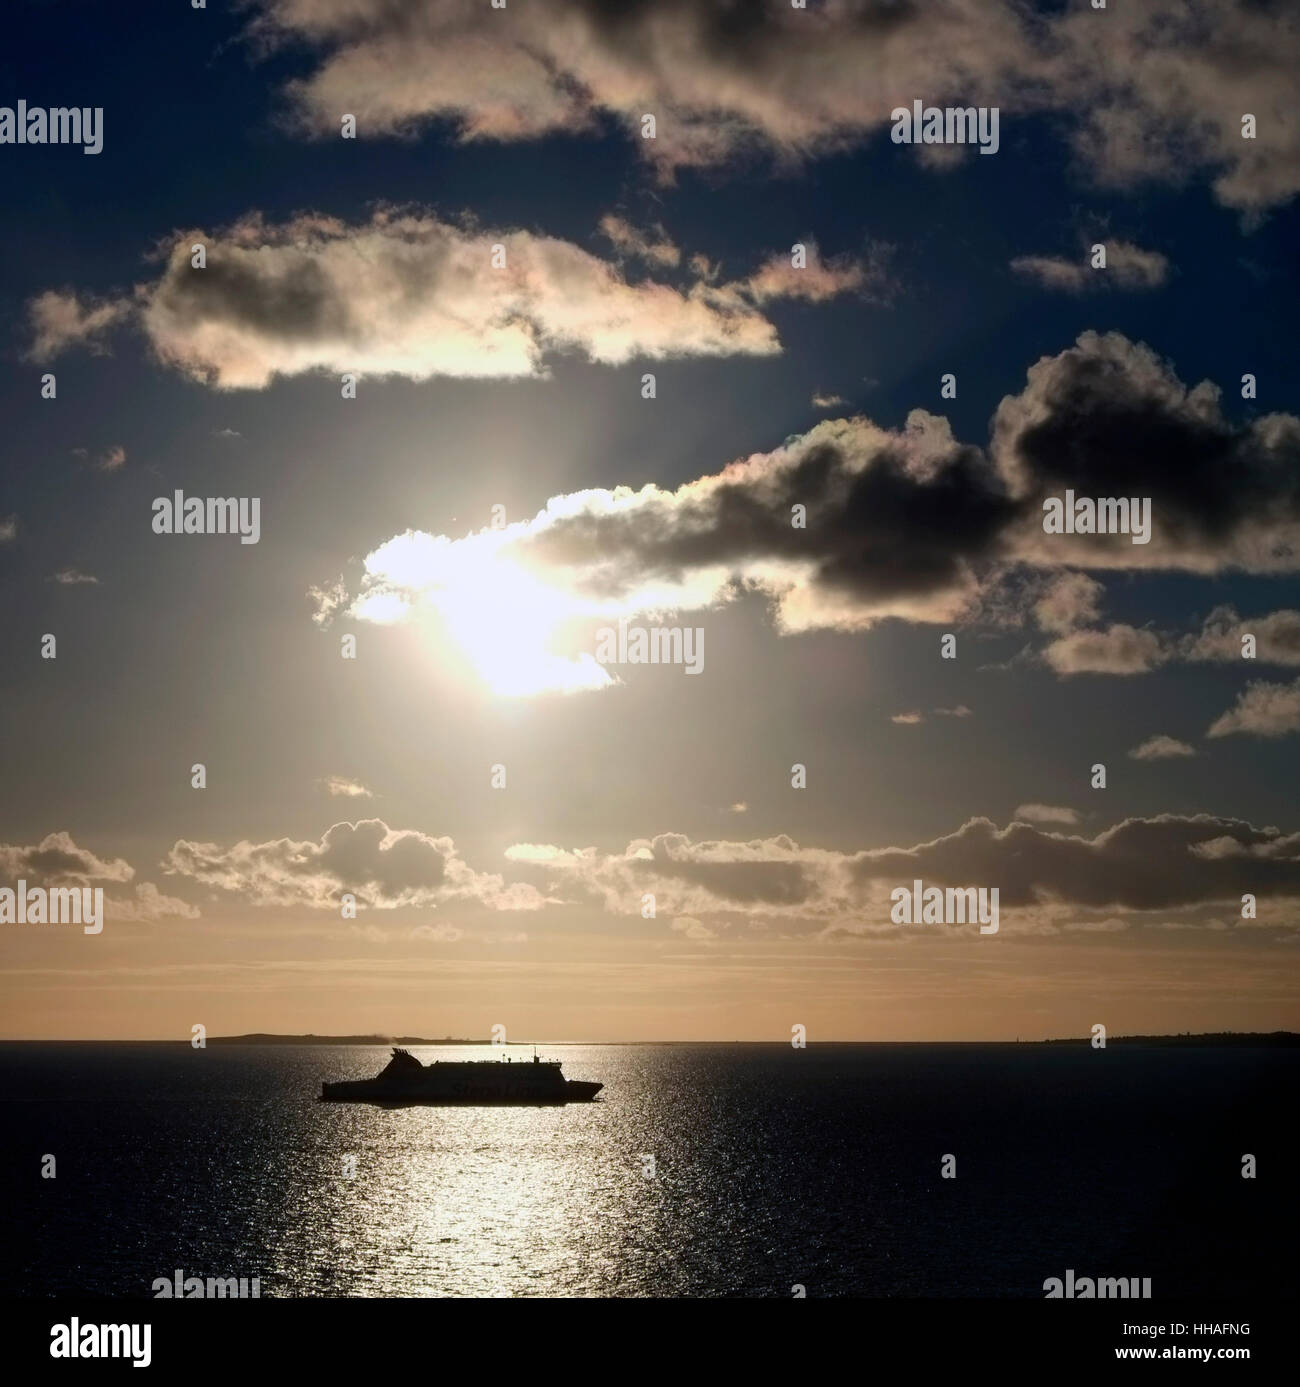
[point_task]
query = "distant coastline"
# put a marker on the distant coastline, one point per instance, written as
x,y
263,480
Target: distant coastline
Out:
x,y
1271,1039
266,1038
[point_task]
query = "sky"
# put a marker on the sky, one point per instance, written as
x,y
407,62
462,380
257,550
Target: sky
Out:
x,y
443,251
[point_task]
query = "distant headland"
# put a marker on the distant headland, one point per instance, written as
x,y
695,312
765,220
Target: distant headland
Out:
x,y
265,1038
1288,1038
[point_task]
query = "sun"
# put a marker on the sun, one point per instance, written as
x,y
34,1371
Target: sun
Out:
x,y
501,616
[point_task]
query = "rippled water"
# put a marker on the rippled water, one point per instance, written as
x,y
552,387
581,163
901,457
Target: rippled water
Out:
x,y
772,1167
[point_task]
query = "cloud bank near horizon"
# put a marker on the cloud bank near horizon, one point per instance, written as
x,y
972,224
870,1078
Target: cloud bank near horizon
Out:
x,y
1055,878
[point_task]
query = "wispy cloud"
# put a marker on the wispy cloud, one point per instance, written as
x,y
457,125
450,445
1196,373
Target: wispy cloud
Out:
x,y
1046,814
1262,710
341,786
1161,748
653,246
1119,649
1127,267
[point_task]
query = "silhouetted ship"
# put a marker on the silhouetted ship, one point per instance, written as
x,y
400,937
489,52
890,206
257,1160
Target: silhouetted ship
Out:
x,y
405,1080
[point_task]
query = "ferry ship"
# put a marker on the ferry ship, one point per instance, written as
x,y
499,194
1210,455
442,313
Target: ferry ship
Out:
x,y
475,1082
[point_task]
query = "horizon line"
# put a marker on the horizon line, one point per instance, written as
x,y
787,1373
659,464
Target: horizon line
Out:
x,y
312,1037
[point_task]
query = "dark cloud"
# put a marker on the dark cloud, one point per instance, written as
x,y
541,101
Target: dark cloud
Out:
x,y
1108,418
760,877
1139,864
741,881
58,861
1050,874
891,519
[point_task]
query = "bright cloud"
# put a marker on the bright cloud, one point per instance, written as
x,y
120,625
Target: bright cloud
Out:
x,y
408,294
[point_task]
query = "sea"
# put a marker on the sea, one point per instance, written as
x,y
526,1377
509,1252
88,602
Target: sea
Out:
x,y
703,1170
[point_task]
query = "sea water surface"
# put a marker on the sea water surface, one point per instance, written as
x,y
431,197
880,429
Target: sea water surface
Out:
x,y
772,1168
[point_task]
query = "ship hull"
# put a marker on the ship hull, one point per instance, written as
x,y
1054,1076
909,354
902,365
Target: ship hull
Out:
x,y
580,1091
462,1094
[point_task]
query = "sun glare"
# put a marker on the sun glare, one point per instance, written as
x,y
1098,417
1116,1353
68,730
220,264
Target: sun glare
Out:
x,y
502,617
